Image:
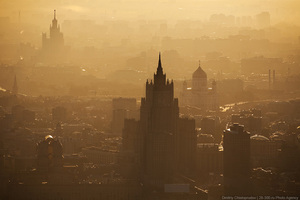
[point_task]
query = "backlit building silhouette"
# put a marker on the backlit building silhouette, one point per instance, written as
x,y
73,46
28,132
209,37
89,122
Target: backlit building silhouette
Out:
x,y
165,144
237,167
53,46
49,154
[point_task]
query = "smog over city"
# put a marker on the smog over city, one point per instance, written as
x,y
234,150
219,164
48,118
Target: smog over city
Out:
x,y
145,100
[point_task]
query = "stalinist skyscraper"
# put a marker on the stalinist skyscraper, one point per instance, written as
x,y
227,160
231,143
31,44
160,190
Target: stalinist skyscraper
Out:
x,y
56,39
53,46
159,119
165,144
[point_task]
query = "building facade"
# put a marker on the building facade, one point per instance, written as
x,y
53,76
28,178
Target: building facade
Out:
x,y
53,47
163,143
236,155
49,155
200,95
123,108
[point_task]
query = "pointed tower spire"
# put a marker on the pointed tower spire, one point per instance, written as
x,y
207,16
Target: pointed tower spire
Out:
x,y
54,22
159,68
159,77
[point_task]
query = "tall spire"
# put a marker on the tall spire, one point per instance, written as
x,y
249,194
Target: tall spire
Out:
x,y
199,65
54,21
159,68
159,77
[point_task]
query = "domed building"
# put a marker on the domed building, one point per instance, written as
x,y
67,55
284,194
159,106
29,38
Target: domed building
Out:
x,y
199,80
49,154
200,95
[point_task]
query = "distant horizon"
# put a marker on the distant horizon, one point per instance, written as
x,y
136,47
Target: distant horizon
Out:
x,y
280,11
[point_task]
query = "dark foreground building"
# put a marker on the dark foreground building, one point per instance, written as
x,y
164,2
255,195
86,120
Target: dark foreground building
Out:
x,y
162,144
237,167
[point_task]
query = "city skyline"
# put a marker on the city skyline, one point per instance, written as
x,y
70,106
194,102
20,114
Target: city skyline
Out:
x,y
140,100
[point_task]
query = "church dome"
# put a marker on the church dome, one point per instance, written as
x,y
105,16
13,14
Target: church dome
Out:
x,y
199,73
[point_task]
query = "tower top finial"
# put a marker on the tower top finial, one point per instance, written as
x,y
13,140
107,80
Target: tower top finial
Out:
x,y
159,68
54,14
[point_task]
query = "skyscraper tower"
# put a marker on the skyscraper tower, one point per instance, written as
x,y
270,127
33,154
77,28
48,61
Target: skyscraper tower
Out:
x,y
237,167
56,40
163,143
55,34
159,119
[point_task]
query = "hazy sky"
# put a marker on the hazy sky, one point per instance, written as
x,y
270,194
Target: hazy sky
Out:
x,y
280,10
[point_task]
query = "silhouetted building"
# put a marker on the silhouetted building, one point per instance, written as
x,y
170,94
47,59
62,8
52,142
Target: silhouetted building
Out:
x,y
131,145
237,165
209,159
53,46
122,108
49,154
164,143
250,119
264,152
210,125
159,115
200,95
56,39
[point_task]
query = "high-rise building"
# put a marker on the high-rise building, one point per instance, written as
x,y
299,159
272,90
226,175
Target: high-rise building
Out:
x,y
53,46
123,108
56,39
164,143
251,119
159,117
237,167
